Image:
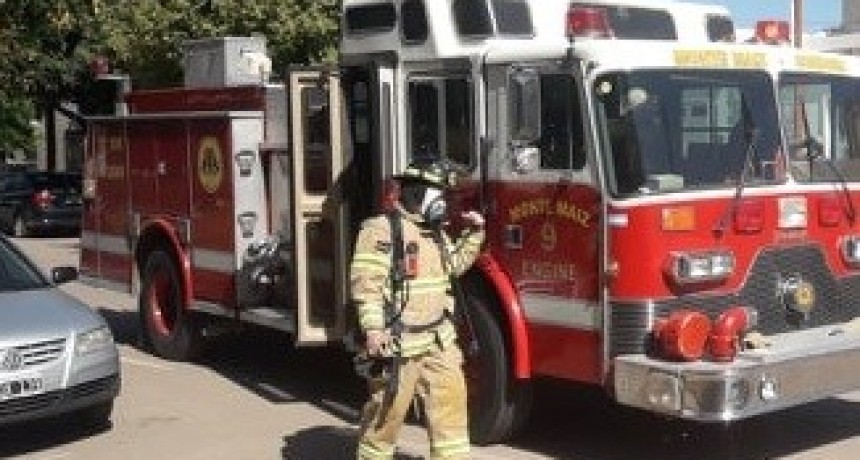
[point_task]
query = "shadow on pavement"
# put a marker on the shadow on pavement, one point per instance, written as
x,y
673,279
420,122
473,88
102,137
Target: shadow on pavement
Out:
x,y
30,437
575,423
569,421
123,325
325,443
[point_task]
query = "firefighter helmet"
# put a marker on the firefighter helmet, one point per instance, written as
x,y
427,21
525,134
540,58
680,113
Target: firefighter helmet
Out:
x,y
422,188
436,174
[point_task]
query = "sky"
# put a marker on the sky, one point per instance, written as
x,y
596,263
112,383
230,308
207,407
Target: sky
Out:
x,y
818,14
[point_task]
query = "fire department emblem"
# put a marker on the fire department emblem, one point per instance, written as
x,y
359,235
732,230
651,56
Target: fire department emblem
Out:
x,y
797,295
210,165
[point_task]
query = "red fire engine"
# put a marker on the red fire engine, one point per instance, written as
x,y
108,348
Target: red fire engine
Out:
x,y
653,227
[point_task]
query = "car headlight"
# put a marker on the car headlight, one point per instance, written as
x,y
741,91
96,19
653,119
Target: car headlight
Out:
x,y
94,340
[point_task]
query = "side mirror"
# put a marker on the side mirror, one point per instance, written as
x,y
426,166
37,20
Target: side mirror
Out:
x,y
60,275
525,159
525,106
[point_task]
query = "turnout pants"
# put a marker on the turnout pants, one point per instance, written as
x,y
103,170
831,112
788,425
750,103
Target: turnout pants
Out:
x,y
437,377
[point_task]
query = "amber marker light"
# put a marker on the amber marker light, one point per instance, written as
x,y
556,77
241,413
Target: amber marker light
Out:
x,y
679,219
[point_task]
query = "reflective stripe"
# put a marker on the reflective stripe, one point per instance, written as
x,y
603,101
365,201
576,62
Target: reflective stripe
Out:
x,y
370,316
370,262
111,244
415,345
367,450
558,311
450,447
215,261
428,285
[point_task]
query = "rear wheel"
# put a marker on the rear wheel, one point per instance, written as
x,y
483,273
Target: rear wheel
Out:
x,y
499,405
167,324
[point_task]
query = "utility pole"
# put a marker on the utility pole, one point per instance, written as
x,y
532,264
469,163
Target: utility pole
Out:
x,y
797,22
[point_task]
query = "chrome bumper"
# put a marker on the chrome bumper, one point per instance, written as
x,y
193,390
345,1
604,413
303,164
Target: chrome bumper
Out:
x,y
795,368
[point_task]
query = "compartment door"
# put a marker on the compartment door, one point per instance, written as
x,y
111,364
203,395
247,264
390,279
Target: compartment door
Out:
x,y
320,214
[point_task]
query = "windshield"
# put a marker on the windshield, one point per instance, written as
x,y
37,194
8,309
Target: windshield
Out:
x,y
16,274
678,130
829,107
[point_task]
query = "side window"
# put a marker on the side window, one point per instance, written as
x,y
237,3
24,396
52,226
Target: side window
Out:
x,y
561,139
316,129
440,119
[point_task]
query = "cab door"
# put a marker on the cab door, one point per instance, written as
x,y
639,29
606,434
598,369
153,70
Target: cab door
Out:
x,y
319,208
548,208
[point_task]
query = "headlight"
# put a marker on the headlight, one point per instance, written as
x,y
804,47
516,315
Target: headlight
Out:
x,y
92,341
697,267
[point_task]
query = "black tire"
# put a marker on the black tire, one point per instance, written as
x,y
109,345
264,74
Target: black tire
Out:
x,y
167,324
499,405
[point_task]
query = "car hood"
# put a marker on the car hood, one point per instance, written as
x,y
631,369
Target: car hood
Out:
x,y
43,314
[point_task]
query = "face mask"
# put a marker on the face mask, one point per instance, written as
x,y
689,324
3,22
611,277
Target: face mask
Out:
x,y
433,206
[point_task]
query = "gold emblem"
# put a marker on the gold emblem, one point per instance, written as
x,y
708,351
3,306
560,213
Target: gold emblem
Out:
x,y
210,164
798,295
804,297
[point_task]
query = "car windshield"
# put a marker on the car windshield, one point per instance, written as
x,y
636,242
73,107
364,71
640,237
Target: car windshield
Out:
x,y
16,273
821,112
680,130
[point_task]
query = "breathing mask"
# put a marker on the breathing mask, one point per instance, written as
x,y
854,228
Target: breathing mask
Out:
x,y
424,199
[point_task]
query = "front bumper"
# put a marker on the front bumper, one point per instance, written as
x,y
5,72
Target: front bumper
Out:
x,y
795,368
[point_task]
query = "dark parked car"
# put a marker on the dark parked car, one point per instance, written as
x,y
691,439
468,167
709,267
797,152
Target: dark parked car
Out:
x,y
32,201
57,355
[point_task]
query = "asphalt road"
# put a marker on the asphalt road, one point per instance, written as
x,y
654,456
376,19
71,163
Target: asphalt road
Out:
x,y
254,397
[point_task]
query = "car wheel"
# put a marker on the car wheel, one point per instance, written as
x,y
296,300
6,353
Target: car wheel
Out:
x,y
96,416
168,326
19,227
498,404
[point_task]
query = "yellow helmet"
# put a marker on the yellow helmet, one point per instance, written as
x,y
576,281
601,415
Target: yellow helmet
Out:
x,y
436,174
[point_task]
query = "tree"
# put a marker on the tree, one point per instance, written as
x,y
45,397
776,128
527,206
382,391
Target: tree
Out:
x,y
145,38
46,45
16,133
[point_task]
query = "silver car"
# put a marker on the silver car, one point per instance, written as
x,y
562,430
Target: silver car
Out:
x,y
57,356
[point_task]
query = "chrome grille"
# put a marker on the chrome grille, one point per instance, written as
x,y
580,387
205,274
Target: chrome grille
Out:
x,y
837,299
39,353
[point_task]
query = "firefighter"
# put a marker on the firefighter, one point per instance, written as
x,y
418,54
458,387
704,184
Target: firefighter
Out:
x,y
401,285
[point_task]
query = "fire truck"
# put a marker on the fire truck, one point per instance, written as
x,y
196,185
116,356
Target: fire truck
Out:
x,y
670,220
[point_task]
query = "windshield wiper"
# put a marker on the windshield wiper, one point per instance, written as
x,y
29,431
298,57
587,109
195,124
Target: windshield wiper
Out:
x,y
750,133
815,151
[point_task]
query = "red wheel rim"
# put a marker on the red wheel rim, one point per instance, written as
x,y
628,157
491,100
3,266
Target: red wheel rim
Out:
x,y
162,309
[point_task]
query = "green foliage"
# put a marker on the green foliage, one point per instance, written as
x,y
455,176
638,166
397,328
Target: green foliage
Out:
x,y
144,39
15,130
46,45
43,44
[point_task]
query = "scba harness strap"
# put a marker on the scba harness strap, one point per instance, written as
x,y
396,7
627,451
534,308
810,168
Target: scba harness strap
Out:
x,y
394,312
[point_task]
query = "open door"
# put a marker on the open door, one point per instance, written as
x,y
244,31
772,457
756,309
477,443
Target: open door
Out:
x,y
320,214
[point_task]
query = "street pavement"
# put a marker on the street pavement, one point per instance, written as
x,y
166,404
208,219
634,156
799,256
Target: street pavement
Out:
x,y
255,397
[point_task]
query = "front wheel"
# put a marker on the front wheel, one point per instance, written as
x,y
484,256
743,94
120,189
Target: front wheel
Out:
x,y
168,326
499,405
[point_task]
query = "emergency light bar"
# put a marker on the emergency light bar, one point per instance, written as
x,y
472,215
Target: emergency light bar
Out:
x,y
773,32
588,22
